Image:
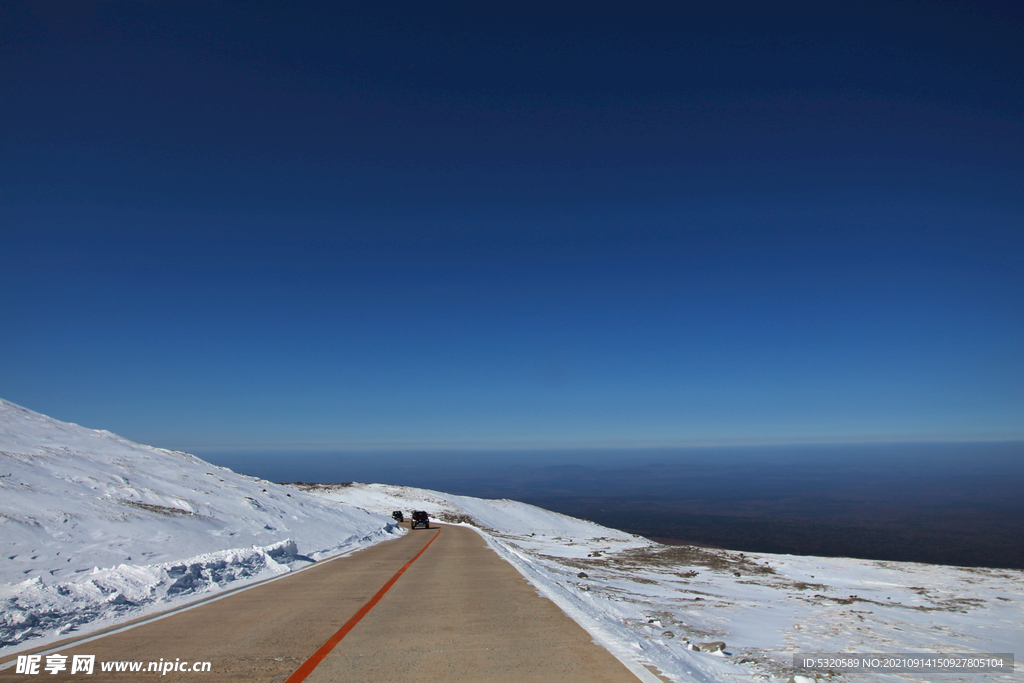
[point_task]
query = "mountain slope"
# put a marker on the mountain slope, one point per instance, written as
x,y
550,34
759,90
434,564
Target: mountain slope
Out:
x,y
94,526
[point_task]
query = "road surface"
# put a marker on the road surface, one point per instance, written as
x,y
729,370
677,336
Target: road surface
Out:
x,y
458,613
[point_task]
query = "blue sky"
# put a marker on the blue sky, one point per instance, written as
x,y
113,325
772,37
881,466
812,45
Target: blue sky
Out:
x,y
241,226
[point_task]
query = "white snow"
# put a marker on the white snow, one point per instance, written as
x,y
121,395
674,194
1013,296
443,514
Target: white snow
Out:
x,y
97,529
653,605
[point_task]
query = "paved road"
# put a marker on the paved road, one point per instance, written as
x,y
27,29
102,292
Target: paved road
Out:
x,y
459,613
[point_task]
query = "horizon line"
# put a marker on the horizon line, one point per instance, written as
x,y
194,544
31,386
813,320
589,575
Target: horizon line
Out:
x,y
397,447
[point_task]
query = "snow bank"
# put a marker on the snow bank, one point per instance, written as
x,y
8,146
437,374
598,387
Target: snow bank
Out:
x,y
97,528
33,608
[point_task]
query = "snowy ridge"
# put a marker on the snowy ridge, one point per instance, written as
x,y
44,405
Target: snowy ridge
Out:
x,y
97,529
652,606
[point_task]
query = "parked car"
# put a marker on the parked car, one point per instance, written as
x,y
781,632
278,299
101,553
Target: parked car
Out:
x,y
419,517
398,516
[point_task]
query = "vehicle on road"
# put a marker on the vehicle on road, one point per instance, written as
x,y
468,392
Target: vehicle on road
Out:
x,y
419,517
398,516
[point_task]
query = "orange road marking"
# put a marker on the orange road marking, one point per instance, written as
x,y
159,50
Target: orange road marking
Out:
x,y
307,667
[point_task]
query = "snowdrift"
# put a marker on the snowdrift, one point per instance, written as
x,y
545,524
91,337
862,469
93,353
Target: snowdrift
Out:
x,y
95,527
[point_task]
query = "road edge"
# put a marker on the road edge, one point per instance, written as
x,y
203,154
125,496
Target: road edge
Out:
x,y
594,629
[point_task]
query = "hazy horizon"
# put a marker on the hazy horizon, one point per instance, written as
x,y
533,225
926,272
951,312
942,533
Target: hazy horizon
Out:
x,y
333,466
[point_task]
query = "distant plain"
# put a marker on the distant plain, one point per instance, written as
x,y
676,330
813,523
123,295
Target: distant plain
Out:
x,y
946,503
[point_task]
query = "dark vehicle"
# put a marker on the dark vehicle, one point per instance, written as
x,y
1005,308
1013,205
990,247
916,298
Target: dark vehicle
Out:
x,y
419,517
398,516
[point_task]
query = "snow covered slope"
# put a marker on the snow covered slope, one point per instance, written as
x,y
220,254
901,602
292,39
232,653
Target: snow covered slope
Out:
x,y
94,527
653,605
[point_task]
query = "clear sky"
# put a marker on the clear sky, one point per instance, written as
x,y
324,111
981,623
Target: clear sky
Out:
x,y
426,224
